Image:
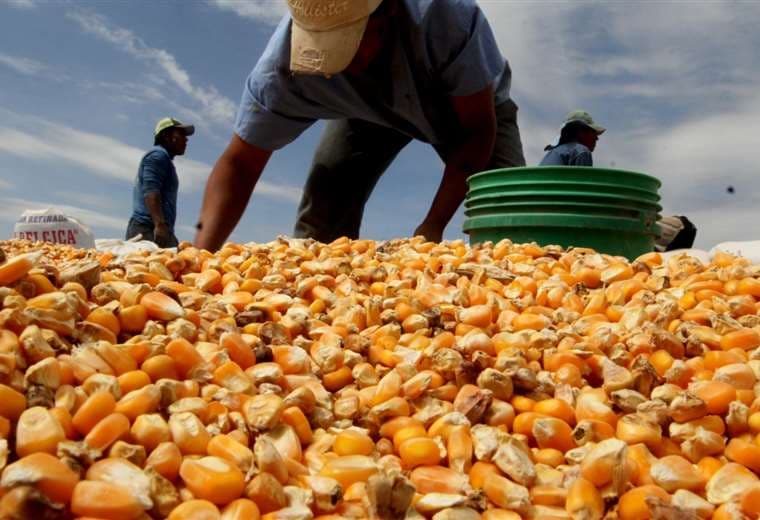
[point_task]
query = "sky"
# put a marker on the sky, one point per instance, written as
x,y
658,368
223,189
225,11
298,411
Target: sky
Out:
x,y
83,83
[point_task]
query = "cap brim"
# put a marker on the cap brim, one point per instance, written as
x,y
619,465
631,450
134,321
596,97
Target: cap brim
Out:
x,y
596,128
325,52
188,129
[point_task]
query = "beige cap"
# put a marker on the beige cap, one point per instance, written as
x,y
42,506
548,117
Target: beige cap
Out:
x,y
581,116
326,33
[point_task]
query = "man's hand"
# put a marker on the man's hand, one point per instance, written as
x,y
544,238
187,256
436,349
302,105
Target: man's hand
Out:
x,y
161,233
228,190
431,232
471,154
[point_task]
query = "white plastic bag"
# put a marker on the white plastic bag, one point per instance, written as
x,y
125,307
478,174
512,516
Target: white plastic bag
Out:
x,y
121,248
53,225
749,249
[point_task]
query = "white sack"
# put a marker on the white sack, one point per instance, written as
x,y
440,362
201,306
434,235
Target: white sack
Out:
x,y
53,225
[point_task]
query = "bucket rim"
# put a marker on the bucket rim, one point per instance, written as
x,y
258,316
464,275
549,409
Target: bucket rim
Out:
x,y
559,184
588,169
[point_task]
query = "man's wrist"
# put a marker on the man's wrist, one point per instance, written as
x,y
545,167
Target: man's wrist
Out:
x,y
434,221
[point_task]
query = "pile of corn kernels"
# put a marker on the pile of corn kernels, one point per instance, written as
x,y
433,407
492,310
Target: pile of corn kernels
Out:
x,y
296,380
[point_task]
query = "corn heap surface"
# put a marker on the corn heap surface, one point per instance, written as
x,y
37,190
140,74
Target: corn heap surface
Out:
x,y
297,380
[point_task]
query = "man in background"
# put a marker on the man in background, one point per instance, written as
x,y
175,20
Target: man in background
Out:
x,y
577,141
154,197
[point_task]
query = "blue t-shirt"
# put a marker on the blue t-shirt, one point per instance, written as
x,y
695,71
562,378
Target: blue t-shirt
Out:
x,y
568,154
436,49
156,174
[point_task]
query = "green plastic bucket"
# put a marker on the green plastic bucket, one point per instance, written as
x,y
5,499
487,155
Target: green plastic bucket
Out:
x,y
612,211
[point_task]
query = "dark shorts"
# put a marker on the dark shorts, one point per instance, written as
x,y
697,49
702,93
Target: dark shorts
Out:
x,y
135,228
352,156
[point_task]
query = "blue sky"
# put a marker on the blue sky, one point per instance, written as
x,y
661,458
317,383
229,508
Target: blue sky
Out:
x,y
83,83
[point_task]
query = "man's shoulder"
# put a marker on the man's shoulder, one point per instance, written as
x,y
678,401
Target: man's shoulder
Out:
x,y
572,149
580,155
156,156
579,148
157,152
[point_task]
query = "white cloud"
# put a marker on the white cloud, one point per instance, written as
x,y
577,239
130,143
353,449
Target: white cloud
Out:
x,y
525,33
697,160
214,105
5,185
20,4
53,142
609,55
86,199
22,65
131,92
47,141
692,150
267,11
279,191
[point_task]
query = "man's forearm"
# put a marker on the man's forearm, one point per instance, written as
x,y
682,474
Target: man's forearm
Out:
x,y
477,119
451,192
153,203
470,157
227,193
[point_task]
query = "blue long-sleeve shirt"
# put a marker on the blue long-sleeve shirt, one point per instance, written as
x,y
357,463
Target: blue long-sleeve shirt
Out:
x,y
156,174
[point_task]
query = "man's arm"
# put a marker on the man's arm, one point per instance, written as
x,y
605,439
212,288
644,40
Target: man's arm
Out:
x,y
153,175
153,203
477,119
228,190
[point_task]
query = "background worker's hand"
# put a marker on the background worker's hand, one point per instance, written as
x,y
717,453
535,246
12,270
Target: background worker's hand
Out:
x,y
162,234
430,232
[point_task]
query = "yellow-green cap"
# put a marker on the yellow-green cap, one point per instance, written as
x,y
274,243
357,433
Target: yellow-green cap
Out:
x,y
581,116
169,122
